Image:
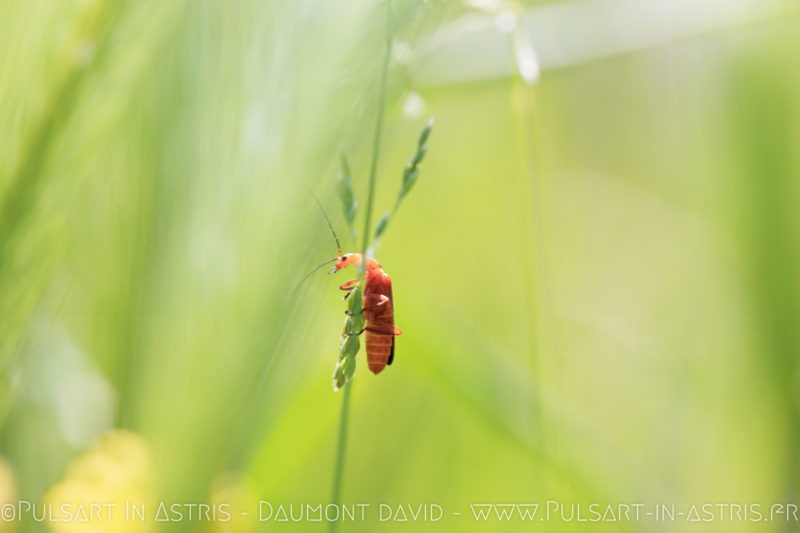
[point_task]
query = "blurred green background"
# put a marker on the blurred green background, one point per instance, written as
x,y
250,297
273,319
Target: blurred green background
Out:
x,y
596,275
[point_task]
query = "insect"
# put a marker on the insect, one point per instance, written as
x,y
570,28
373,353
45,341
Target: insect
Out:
x,y
378,303
378,309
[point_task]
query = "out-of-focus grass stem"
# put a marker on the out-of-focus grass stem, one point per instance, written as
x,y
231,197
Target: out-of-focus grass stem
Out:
x,y
21,195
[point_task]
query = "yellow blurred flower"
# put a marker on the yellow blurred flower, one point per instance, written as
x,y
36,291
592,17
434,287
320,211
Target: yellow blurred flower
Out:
x,y
8,491
101,488
234,496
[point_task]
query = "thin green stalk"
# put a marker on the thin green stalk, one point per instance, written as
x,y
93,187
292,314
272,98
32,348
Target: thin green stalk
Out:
x,y
341,446
373,172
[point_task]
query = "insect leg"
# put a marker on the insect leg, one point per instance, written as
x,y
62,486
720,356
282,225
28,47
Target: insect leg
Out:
x,y
379,331
382,300
348,286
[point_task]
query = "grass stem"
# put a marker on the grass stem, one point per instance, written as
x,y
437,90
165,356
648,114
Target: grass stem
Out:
x,y
341,446
373,171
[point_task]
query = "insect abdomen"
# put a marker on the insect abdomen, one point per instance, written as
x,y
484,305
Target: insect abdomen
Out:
x,y
380,329
380,349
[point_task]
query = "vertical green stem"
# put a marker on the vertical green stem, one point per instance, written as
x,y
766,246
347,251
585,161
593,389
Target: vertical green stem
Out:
x,y
341,446
373,171
529,189
376,144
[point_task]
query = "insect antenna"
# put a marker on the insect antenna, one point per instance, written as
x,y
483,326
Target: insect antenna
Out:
x,y
335,238
330,226
329,261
